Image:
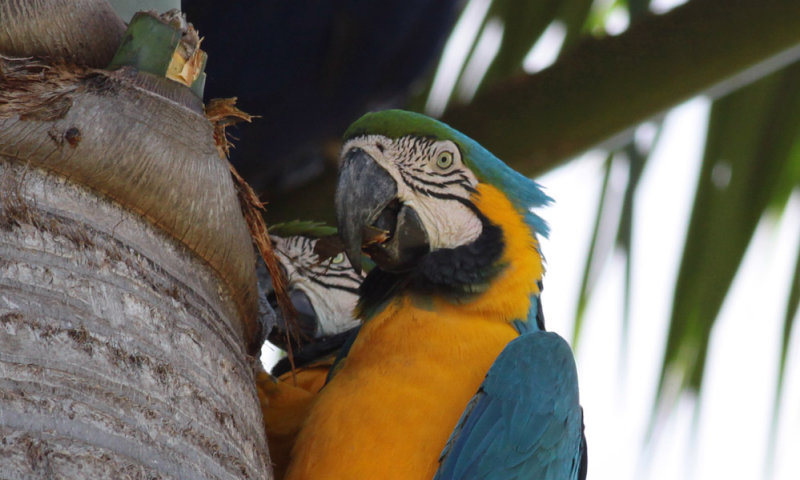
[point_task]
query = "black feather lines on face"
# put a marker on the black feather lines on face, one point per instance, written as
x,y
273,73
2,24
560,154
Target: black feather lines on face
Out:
x,y
413,166
322,271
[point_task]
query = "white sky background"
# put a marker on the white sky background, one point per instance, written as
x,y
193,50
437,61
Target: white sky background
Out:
x,y
618,388
730,439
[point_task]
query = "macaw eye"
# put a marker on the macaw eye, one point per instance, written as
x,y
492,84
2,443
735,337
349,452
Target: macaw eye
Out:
x,y
339,258
444,160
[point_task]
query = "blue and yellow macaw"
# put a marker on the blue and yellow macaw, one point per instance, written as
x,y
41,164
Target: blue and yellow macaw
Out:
x,y
323,288
451,309
321,284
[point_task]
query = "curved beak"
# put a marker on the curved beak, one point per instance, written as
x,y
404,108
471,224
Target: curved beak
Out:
x,y
273,324
305,328
267,317
371,217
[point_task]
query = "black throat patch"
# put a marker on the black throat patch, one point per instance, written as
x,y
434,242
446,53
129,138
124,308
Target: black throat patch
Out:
x,y
454,273
315,351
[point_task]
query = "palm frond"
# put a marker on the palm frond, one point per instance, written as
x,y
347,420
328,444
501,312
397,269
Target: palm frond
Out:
x,y
751,133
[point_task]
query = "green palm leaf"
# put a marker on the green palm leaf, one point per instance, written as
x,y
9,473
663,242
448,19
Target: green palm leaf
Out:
x,y
751,133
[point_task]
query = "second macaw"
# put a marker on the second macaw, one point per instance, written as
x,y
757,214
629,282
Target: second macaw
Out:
x,y
452,375
323,288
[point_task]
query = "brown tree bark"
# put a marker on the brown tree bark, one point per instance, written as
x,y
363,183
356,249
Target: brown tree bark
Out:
x,y
119,358
127,272
84,32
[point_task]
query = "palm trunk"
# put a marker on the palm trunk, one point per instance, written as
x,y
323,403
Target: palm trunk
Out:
x,y
117,354
127,273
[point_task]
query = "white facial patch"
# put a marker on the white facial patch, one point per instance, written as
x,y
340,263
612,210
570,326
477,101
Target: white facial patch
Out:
x,y
330,284
432,179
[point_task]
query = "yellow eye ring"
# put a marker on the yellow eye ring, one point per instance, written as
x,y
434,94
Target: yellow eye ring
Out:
x,y
444,160
339,258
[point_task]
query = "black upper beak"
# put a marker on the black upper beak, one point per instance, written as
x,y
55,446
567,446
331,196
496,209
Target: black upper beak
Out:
x,y
372,218
363,191
273,324
267,317
304,329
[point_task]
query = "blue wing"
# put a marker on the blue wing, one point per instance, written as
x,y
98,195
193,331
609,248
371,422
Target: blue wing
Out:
x,y
525,422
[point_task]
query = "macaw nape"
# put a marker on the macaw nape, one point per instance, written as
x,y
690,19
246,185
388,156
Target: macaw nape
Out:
x,y
323,288
451,375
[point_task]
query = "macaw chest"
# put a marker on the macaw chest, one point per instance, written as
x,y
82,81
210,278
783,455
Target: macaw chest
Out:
x,y
405,383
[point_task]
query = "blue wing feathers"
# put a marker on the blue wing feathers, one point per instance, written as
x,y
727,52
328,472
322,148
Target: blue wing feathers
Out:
x,y
525,421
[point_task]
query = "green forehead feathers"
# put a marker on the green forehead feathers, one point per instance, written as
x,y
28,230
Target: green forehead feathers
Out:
x,y
305,228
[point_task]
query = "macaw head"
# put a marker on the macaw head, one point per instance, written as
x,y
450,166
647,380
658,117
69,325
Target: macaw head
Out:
x,y
321,283
409,185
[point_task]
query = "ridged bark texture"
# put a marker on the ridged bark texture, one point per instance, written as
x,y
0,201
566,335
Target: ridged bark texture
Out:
x,y
117,134
118,357
85,32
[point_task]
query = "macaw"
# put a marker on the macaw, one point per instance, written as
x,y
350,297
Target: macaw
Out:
x,y
322,285
323,288
452,374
